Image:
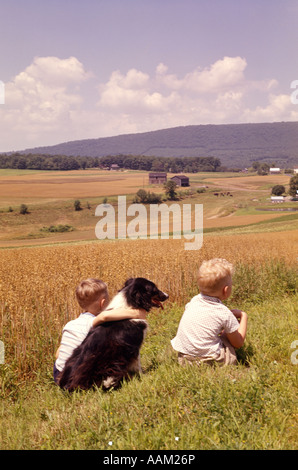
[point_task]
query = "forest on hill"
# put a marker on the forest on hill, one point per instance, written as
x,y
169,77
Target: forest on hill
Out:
x,y
236,145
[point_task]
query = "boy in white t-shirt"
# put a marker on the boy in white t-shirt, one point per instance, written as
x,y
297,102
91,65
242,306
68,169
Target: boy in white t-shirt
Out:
x,y
93,297
208,331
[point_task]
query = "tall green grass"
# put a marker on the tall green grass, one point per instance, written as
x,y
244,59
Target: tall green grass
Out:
x,y
249,406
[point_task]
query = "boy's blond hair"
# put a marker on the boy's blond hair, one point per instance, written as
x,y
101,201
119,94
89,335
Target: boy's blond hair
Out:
x,y
90,290
214,274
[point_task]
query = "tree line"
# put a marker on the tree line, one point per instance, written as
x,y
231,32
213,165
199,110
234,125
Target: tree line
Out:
x,y
131,162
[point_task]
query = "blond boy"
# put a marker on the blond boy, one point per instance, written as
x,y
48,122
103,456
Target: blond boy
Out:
x,y
93,297
208,331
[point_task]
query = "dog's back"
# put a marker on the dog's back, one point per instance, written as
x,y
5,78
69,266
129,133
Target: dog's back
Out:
x,y
111,351
108,354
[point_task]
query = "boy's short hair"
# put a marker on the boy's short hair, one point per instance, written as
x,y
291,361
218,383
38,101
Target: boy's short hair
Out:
x,y
213,273
89,290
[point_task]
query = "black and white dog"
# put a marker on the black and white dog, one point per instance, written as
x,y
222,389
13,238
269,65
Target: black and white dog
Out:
x,y
111,351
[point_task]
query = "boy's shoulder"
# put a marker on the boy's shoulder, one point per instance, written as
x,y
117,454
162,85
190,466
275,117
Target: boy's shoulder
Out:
x,y
83,318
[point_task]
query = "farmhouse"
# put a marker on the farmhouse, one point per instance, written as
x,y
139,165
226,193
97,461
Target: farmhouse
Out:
x,y
181,180
115,167
157,178
274,171
296,171
277,199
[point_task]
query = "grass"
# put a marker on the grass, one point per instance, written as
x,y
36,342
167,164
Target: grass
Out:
x,y
170,407
248,406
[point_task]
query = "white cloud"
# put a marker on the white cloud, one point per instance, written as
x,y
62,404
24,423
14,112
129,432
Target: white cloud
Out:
x,y
39,101
279,108
45,105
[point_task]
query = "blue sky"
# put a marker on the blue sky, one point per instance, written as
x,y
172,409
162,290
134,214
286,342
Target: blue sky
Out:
x,y
94,68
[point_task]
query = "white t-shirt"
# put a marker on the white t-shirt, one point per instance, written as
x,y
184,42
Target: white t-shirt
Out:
x,y
202,322
73,334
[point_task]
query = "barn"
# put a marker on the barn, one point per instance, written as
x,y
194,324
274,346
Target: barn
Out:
x,y
181,180
277,199
157,178
114,167
274,171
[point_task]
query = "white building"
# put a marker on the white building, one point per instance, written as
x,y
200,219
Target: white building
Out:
x,y
277,199
274,171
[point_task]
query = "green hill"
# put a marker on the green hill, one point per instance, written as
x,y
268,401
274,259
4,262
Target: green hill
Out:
x,y
237,145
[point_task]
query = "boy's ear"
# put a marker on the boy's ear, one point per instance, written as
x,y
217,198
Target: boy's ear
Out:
x,y
225,290
104,301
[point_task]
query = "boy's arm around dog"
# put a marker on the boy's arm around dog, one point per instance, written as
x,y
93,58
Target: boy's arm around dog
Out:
x,y
119,314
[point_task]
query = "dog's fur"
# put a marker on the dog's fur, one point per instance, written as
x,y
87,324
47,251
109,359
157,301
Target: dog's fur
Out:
x,y
111,351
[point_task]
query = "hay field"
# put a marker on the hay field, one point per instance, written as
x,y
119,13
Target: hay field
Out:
x,y
37,284
50,197
249,406
69,185
248,183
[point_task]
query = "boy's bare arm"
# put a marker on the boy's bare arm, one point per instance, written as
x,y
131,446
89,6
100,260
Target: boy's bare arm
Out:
x,y
237,337
119,314
57,353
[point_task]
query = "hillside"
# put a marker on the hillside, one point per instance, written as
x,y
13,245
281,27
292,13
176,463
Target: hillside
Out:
x,y
237,145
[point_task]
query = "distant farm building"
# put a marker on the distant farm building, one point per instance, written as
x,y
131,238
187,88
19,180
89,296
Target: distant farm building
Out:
x,y
157,178
181,180
274,171
115,167
296,171
277,199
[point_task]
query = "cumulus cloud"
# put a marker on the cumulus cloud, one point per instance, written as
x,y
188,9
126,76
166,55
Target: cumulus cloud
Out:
x,y
44,104
39,100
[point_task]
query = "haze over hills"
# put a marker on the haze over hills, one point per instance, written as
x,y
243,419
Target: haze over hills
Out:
x,y
237,145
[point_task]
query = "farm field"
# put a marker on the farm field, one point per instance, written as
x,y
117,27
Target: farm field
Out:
x,y
248,406
50,199
251,406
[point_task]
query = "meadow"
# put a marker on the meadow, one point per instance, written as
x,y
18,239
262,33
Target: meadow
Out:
x,y
50,198
249,406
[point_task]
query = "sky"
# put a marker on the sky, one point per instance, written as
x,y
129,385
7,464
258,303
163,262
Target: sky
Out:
x,y
73,69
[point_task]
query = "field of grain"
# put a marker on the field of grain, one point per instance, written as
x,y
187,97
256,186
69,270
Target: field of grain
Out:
x,y
50,199
251,406
37,284
70,184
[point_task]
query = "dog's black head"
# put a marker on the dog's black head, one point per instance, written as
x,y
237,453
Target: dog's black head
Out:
x,y
142,293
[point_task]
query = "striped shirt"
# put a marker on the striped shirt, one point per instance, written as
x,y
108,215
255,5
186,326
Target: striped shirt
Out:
x,y
202,322
73,334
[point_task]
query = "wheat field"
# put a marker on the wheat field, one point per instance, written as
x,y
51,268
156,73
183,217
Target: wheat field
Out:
x,y
37,284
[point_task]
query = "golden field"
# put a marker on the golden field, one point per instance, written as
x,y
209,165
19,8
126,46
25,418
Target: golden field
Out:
x,y
96,183
37,284
50,197
70,184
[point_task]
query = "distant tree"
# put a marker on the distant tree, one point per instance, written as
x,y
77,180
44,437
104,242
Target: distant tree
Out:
x,y
153,198
278,190
170,188
77,205
23,209
293,185
263,169
256,165
142,195
157,165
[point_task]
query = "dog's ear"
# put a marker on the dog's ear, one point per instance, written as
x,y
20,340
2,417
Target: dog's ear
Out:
x,y
129,282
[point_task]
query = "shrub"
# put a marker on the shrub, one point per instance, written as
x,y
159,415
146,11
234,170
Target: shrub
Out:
x,y
77,205
23,209
57,228
278,190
